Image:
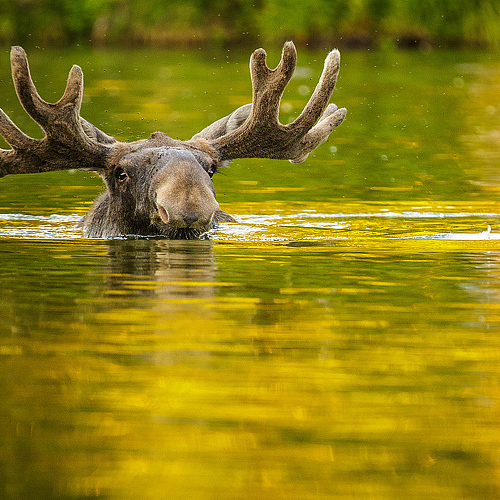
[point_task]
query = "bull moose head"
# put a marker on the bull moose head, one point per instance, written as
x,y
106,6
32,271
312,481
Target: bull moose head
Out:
x,y
162,186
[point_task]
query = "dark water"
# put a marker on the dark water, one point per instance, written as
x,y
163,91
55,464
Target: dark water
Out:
x,y
340,341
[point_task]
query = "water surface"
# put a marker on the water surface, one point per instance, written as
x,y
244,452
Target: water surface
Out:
x,y
339,341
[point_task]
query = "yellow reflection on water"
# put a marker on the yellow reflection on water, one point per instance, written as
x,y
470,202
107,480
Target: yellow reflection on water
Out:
x,y
294,369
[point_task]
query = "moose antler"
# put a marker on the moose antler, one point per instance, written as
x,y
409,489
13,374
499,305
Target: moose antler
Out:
x,y
69,142
252,131
262,135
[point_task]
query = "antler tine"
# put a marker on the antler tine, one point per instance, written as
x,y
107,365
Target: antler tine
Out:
x,y
322,93
69,142
269,85
13,134
262,135
32,103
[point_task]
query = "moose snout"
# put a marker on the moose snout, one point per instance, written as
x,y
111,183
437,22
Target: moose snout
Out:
x,y
185,196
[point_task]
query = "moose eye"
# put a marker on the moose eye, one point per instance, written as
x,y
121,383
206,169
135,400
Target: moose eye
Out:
x,y
120,174
211,170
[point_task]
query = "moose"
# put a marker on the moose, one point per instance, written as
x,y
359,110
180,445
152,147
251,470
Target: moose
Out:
x,y
162,186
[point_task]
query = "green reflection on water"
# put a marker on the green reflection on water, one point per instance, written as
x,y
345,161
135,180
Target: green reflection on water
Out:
x,y
340,341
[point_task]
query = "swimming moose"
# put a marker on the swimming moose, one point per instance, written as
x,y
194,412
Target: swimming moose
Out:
x,y
162,186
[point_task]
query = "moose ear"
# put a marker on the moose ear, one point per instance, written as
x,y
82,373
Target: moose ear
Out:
x,y
225,125
95,134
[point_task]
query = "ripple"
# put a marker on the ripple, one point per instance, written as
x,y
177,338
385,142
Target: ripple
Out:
x,y
304,225
26,226
481,236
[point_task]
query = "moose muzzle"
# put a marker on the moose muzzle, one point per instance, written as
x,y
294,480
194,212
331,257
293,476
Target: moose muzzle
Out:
x,y
185,196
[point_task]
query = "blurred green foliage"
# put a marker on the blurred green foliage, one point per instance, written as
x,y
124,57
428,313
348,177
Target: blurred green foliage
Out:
x,y
165,22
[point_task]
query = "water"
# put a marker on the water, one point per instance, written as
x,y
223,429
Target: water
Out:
x,y
339,341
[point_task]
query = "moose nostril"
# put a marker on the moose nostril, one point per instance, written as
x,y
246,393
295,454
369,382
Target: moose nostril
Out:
x,y
190,219
163,214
